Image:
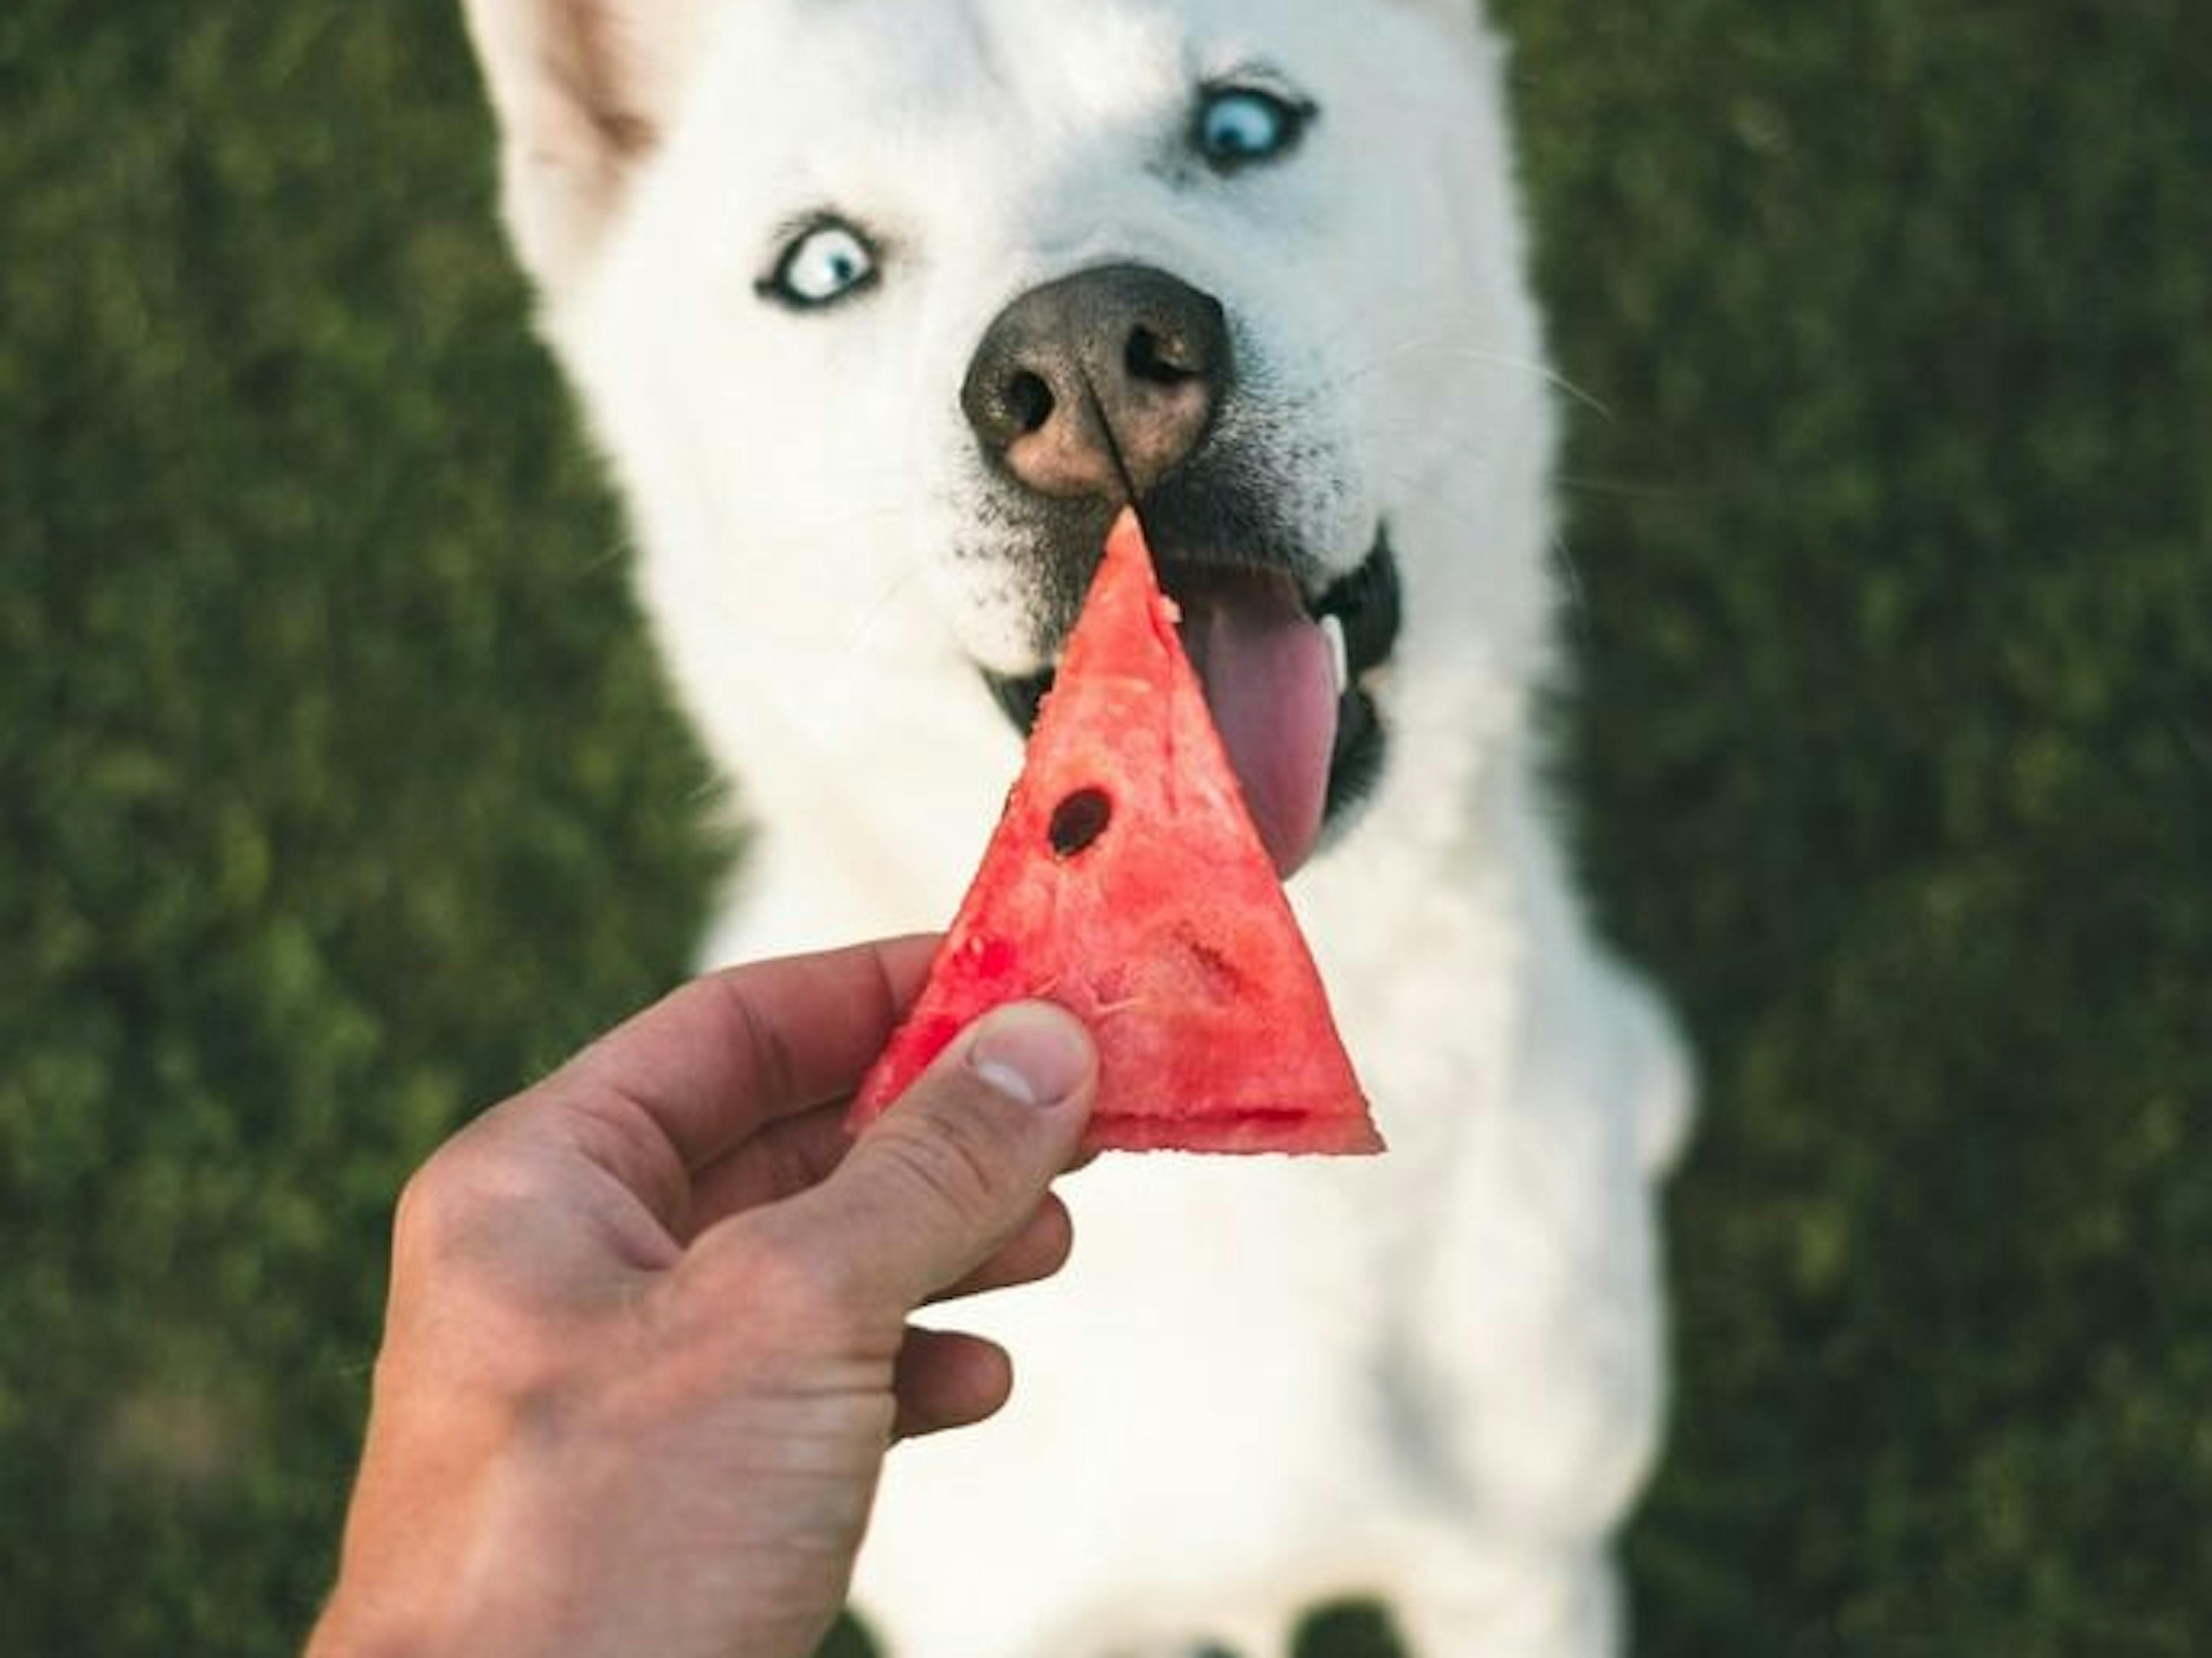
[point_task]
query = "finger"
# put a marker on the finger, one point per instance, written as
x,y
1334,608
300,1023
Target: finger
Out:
x,y
714,1060
1038,1251
797,1154
948,1175
946,1380
786,1158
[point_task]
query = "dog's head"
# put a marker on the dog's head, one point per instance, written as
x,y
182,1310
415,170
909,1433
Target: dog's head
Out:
x,y
883,306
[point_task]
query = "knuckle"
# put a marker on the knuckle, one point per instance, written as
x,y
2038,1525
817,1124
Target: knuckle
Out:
x,y
623,1144
777,1068
428,1199
461,1197
947,1161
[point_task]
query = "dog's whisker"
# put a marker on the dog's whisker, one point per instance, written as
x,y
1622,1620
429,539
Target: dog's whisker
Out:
x,y
809,536
620,550
1616,488
875,614
1571,577
1391,355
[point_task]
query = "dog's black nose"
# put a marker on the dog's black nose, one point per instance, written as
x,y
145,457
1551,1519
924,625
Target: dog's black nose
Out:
x,y
1125,343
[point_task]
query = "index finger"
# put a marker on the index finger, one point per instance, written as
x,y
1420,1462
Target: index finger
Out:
x,y
717,1060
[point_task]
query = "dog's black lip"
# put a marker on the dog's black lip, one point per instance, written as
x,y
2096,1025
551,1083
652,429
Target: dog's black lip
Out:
x,y
1365,602
1019,695
1355,765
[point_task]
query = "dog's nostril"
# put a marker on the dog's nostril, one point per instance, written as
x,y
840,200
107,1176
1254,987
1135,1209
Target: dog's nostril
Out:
x,y
1029,401
1160,359
1102,381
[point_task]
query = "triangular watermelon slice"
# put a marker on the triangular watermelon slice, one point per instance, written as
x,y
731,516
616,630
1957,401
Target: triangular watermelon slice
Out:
x,y
1126,883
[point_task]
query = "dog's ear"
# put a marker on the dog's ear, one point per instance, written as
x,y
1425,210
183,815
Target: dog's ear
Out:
x,y
582,89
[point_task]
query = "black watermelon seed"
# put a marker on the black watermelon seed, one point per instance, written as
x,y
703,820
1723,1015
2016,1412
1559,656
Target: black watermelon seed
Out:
x,y
1078,820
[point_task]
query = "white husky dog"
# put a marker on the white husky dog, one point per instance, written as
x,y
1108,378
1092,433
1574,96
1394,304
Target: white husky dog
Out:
x,y
862,296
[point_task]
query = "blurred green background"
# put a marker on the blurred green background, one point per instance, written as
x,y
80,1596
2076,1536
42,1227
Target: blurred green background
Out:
x,y
339,794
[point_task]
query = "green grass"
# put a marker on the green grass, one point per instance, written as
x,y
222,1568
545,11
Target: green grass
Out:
x,y
338,793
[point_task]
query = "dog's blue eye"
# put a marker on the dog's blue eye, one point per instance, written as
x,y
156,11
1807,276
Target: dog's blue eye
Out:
x,y
824,265
1239,125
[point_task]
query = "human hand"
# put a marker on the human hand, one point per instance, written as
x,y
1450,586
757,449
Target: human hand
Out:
x,y
647,1339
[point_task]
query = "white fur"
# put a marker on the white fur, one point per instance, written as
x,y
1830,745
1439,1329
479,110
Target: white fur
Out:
x,y
1436,1376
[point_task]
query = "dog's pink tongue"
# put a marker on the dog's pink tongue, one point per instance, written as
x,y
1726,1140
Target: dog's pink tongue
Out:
x,y
1271,687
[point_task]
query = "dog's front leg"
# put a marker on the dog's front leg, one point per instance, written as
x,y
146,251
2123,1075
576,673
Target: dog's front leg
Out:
x,y
1535,1366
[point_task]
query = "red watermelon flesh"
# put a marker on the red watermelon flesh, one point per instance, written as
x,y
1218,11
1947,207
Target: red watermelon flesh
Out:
x,y
1125,882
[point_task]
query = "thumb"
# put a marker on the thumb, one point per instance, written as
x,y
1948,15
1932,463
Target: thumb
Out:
x,y
955,1167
